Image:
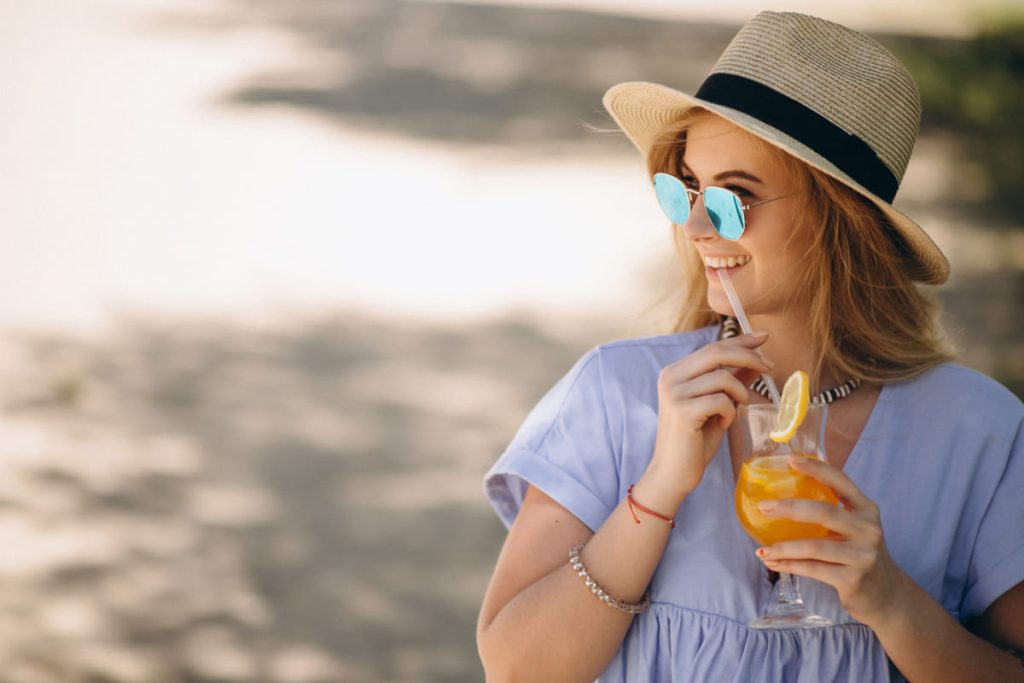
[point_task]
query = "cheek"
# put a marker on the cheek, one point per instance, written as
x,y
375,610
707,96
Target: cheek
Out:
x,y
777,273
784,246
788,271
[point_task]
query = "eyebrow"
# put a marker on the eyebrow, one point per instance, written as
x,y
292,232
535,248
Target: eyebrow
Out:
x,y
735,173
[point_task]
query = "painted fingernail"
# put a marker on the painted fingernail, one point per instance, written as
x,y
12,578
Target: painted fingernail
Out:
x,y
767,505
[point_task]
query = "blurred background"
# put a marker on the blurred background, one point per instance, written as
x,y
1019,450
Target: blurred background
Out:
x,y
281,279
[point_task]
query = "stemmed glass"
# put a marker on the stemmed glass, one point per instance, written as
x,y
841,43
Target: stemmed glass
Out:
x,y
766,475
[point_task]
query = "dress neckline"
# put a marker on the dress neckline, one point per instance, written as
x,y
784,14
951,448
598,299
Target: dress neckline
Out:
x,y
725,450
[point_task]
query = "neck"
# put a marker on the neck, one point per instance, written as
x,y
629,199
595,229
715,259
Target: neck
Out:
x,y
788,346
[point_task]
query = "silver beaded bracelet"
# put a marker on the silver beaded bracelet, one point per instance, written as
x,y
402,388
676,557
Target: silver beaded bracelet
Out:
x,y
628,608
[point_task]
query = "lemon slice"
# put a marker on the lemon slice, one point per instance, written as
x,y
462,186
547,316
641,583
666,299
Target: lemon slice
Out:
x,y
756,471
796,394
765,470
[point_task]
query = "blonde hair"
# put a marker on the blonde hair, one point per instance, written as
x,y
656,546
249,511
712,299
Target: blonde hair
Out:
x,y
868,318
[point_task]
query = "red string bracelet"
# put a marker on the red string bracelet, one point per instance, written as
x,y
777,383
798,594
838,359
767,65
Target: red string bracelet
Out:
x,y
631,503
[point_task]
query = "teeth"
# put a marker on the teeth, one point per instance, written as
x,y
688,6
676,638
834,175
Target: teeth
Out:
x,y
728,262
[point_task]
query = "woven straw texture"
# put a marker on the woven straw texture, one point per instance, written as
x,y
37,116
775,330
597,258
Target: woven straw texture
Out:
x,y
841,74
846,77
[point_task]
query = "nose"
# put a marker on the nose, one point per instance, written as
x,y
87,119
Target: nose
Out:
x,y
698,226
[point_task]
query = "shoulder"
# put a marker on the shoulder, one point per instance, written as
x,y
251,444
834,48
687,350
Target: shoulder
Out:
x,y
656,351
957,408
628,367
625,367
961,389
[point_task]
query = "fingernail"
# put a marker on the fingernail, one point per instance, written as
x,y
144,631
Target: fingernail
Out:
x,y
759,333
761,552
767,505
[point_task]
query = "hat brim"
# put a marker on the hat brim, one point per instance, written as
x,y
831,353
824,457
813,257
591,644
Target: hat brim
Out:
x,y
643,109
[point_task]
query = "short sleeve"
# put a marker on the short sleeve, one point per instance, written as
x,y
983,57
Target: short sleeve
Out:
x,y
565,449
997,561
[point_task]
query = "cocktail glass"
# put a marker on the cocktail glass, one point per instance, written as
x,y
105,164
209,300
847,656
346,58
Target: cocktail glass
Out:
x,y
766,475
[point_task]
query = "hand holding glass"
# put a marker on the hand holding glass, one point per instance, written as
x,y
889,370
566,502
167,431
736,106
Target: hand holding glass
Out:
x,y
766,475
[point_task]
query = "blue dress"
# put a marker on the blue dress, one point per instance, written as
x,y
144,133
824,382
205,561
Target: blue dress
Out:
x,y
941,454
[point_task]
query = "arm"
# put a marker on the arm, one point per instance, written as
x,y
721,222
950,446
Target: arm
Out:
x,y
927,644
538,621
920,637
1002,625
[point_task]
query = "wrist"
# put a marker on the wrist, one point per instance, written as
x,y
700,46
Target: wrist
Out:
x,y
658,492
898,608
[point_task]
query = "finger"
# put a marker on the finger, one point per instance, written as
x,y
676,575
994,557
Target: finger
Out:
x,y
834,478
727,353
826,572
824,514
819,549
751,340
706,407
717,381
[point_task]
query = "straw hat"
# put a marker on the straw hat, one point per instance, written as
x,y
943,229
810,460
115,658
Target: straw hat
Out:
x,y
824,93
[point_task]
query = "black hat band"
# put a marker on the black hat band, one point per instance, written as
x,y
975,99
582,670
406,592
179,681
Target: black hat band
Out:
x,y
846,151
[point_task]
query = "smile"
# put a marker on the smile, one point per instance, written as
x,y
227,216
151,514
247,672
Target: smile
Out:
x,y
725,261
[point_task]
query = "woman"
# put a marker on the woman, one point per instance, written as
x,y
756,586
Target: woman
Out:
x,y
634,453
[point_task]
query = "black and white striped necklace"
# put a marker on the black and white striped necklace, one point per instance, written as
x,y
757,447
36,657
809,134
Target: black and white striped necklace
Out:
x,y
731,328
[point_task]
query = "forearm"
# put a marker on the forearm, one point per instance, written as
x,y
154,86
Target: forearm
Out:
x,y
927,644
556,629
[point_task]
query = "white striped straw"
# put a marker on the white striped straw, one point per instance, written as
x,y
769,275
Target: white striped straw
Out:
x,y
741,317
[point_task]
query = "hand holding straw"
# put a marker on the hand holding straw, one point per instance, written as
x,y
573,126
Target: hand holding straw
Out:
x,y
741,317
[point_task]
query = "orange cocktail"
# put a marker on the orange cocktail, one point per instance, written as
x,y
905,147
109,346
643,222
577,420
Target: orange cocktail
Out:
x,y
769,477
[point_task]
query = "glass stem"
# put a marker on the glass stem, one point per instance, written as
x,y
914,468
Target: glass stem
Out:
x,y
789,590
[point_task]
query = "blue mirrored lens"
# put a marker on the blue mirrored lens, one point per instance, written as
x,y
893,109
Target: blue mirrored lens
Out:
x,y
672,197
725,211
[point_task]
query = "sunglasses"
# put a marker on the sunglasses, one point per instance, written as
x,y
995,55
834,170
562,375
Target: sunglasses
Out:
x,y
724,208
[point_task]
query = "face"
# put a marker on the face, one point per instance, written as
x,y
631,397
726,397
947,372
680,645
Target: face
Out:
x,y
767,258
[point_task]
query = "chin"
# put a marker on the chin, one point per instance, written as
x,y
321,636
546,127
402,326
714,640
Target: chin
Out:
x,y
719,302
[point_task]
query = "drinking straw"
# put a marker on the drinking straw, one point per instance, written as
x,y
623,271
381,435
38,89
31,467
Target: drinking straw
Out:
x,y
741,317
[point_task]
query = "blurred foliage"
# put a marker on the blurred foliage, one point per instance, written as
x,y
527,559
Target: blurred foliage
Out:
x,y
974,87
